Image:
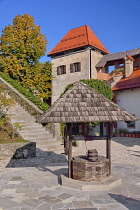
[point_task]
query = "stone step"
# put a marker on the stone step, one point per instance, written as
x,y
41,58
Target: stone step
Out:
x,y
40,141
25,121
34,131
15,113
37,135
36,138
29,124
33,125
52,147
46,143
20,113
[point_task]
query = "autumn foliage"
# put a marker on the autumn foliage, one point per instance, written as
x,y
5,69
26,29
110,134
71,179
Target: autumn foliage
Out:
x,y
21,46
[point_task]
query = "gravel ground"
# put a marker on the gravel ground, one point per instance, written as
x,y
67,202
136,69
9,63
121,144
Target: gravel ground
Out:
x,y
124,150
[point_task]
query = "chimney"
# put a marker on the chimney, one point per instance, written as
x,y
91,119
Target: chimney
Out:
x,y
128,65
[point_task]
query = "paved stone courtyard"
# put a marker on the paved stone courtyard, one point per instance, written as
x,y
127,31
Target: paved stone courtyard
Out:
x,y
23,187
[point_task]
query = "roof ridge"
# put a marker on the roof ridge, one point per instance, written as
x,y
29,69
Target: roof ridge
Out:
x,y
122,51
87,33
78,27
117,55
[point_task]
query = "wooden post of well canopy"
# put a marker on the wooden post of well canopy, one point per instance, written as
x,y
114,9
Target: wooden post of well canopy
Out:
x,y
69,141
108,143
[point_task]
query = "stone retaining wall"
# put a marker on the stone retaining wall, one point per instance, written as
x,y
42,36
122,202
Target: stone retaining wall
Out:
x,y
18,150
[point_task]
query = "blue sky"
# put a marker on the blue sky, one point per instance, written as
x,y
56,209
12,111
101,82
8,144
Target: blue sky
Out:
x,y
116,23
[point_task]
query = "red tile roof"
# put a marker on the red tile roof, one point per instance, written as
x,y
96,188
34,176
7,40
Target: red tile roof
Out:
x,y
130,82
130,57
78,37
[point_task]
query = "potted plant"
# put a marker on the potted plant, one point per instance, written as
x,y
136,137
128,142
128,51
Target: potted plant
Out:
x,y
121,132
134,134
129,134
126,133
114,134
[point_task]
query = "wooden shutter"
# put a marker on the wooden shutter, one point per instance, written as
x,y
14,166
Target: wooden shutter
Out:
x,y
58,70
79,66
64,69
71,68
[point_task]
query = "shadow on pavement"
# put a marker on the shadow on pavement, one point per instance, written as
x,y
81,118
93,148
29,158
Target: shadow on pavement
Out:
x,y
134,153
130,203
42,159
126,141
58,172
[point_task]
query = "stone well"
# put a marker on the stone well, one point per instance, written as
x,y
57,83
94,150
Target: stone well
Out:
x,y
85,170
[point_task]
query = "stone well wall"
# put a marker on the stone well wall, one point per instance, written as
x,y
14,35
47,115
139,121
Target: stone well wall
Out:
x,y
18,150
85,170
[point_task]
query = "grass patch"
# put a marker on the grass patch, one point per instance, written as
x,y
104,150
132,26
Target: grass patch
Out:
x,y
20,140
5,134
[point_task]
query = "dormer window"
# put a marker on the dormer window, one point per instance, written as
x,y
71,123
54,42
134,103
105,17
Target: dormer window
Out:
x,y
75,67
61,69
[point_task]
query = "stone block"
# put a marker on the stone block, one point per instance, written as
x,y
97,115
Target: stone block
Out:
x,y
18,150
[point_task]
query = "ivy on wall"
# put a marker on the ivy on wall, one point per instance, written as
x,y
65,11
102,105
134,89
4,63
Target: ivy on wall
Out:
x,y
98,85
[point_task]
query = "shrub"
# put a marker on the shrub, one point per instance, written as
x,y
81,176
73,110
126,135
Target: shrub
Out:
x,y
34,99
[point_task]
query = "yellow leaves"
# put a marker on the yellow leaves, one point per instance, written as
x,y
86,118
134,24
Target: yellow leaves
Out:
x,y
22,45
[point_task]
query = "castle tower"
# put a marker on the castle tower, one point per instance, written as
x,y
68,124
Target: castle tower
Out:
x,y
75,58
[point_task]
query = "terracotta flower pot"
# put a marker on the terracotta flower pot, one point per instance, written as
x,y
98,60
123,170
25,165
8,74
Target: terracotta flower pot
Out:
x,y
129,134
133,135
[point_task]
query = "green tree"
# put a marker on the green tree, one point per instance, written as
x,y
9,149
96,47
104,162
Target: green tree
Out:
x,y
21,46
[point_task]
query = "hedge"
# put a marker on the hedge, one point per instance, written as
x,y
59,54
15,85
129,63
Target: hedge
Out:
x,y
34,99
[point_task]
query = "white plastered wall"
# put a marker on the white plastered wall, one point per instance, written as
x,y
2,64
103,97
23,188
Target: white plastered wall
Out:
x,y
129,100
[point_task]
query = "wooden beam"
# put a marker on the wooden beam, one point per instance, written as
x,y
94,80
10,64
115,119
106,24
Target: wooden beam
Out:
x,y
65,140
69,127
88,138
83,129
108,143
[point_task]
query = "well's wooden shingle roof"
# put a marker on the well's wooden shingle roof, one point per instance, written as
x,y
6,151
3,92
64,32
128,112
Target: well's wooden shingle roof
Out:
x,y
78,37
82,103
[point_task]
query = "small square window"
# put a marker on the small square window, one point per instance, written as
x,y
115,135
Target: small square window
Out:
x,y
131,124
61,69
75,67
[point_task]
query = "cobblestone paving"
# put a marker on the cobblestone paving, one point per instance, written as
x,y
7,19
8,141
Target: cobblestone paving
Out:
x,y
35,184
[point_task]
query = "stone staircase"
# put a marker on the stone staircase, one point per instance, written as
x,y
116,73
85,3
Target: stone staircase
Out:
x,y
33,131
